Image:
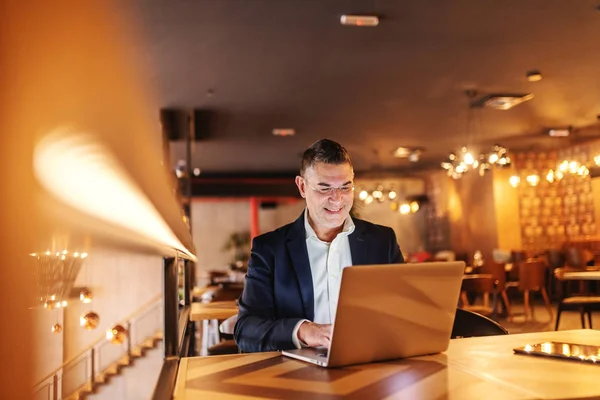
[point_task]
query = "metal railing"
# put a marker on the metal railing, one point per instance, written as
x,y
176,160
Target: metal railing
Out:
x,y
88,367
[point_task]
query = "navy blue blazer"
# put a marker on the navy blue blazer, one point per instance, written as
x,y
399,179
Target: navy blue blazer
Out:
x,y
279,288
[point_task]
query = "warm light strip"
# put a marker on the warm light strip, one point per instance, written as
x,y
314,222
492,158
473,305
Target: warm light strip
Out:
x,y
82,172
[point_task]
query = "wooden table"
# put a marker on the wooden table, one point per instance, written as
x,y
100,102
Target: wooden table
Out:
x,y
213,310
475,368
208,314
586,275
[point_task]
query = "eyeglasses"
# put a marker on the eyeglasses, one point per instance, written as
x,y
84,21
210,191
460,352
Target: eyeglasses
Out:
x,y
327,190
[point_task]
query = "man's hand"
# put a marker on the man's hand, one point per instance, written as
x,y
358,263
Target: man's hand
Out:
x,y
315,335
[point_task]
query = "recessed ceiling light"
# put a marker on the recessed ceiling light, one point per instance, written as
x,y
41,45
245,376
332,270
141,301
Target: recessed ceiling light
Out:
x,y
534,76
501,101
559,132
284,132
359,20
402,152
413,154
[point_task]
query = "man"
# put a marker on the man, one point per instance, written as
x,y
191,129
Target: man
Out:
x,y
294,272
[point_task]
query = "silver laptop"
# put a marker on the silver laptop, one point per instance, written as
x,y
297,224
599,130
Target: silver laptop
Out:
x,y
390,311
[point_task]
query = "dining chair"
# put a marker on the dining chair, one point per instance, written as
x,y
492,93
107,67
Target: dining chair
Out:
x,y
555,258
498,271
532,278
479,284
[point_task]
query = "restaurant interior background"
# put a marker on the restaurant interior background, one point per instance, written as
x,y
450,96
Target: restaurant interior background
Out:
x,y
255,83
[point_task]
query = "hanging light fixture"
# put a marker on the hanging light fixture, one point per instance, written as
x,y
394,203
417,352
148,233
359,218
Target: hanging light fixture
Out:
x,y
117,334
89,320
57,328
467,160
379,194
85,296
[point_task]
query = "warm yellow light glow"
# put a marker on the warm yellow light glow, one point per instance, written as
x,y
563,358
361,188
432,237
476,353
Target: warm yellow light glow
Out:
x,y
48,253
468,159
404,208
369,199
597,159
392,195
573,167
528,347
550,176
559,175
514,181
547,347
65,252
533,180
82,173
83,255
76,254
363,195
493,158
563,166
64,303
414,206
377,194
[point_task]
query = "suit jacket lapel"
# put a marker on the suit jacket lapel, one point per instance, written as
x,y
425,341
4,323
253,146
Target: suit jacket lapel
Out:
x,y
358,245
296,245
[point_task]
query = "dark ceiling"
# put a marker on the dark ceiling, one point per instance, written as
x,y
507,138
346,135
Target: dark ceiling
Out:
x,y
264,64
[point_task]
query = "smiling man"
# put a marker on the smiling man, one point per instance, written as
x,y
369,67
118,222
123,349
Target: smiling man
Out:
x,y
294,274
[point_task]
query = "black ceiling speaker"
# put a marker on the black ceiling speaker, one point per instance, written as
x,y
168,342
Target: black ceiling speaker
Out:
x,y
203,123
175,123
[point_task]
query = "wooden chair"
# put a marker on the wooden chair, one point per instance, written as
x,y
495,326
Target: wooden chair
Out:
x,y
498,271
479,284
577,258
227,344
532,278
518,257
555,258
582,303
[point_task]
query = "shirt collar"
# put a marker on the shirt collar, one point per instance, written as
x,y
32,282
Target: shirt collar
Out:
x,y
347,229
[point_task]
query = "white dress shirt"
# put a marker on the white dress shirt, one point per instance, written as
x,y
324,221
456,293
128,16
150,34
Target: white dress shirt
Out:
x,y
327,260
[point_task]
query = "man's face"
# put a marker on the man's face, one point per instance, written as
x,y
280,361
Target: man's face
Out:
x,y
329,194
